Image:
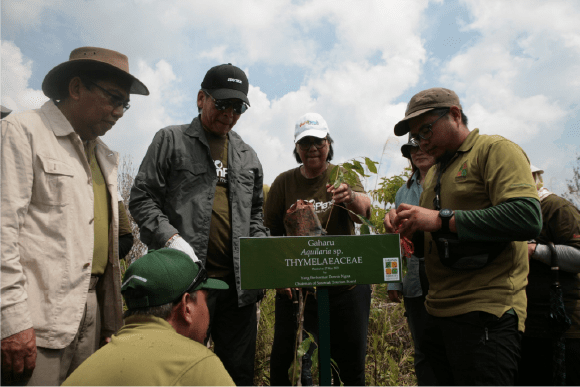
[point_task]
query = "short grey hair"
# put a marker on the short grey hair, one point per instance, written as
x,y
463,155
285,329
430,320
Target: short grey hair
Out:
x,y
161,311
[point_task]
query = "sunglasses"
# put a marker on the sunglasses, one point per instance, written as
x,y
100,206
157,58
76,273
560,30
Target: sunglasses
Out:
x,y
239,107
306,144
114,99
199,278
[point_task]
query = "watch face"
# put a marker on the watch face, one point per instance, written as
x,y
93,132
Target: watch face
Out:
x,y
446,212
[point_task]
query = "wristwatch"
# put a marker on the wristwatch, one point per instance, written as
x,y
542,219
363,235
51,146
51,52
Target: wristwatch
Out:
x,y
445,214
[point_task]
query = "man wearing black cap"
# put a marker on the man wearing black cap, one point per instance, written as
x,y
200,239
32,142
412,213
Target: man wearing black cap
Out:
x,y
479,206
165,327
198,190
60,265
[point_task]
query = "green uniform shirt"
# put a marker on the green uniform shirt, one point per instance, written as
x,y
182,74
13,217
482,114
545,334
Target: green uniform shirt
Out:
x,y
102,204
486,171
220,261
148,352
561,225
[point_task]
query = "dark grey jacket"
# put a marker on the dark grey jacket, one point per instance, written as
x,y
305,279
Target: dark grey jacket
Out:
x,y
175,187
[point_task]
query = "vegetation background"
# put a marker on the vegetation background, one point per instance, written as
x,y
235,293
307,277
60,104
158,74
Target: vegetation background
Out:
x,y
390,352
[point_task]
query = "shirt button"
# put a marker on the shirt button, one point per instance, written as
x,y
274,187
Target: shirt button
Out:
x,y
86,265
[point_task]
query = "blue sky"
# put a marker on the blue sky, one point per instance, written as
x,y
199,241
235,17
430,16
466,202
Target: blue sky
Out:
x,y
515,66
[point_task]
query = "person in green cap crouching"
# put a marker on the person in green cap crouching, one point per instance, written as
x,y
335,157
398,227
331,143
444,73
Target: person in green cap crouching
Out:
x,y
166,322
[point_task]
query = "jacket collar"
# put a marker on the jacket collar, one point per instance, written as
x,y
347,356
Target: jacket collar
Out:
x,y
195,129
57,121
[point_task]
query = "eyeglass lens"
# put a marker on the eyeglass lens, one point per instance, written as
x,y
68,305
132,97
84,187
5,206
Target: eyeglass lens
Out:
x,y
318,143
116,101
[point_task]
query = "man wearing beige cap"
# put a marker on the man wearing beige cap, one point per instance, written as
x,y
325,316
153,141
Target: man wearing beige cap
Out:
x,y
60,265
479,206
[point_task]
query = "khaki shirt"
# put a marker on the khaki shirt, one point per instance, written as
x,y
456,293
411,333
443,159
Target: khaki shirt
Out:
x,y
147,351
486,171
48,228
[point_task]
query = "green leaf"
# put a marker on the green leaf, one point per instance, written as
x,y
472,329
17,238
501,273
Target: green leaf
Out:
x,y
348,166
293,376
365,230
371,165
334,173
339,180
314,359
365,221
359,168
304,347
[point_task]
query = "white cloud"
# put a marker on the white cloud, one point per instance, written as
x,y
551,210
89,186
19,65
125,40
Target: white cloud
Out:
x,y
22,15
520,77
16,72
166,102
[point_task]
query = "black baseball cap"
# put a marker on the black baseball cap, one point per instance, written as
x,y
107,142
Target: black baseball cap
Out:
x,y
406,148
161,277
226,81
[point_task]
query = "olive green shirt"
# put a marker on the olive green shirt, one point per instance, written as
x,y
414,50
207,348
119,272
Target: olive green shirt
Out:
x,y
486,171
219,250
102,203
147,351
561,226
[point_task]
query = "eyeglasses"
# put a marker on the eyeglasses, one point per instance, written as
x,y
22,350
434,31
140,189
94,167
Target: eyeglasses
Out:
x,y
240,107
426,131
115,100
318,143
199,278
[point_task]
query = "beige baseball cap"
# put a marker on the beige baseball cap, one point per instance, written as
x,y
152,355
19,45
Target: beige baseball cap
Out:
x,y
424,101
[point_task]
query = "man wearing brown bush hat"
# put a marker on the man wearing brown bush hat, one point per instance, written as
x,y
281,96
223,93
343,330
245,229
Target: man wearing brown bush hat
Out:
x,y
60,262
479,206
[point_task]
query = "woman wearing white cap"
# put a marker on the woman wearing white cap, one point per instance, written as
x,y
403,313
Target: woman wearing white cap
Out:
x,y
349,305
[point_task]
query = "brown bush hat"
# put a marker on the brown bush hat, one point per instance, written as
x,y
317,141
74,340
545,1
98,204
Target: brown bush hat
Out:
x,y
5,111
424,101
91,58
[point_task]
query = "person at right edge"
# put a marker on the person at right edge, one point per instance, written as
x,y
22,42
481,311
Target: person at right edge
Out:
x,y
478,208
562,227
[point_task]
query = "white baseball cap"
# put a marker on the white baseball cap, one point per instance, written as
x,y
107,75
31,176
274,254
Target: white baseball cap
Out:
x,y
310,124
536,169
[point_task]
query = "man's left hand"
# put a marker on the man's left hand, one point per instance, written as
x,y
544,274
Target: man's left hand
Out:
x,y
415,218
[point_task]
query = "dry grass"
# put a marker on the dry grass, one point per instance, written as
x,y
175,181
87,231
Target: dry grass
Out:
x,y
389,347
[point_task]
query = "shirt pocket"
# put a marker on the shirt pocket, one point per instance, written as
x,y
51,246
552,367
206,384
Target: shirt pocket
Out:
x,y
187,176
53,182
246,188
246,179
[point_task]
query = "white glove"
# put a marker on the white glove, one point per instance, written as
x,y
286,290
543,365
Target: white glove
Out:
x,y
180,244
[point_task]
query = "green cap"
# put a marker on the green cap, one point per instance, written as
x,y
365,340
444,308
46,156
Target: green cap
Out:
x,y
163,276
